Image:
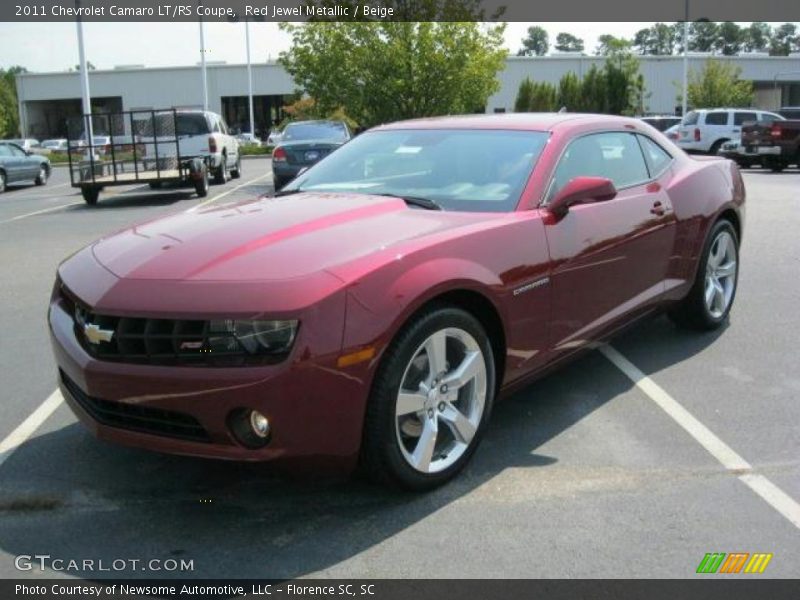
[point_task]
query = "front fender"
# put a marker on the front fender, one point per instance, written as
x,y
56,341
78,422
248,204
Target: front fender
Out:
x,y
378,306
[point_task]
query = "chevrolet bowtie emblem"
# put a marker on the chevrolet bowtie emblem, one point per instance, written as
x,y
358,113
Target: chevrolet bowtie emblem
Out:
x,y
95,335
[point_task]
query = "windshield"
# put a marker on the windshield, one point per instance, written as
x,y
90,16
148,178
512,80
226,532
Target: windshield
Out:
x,y
690,118
315,131
463,170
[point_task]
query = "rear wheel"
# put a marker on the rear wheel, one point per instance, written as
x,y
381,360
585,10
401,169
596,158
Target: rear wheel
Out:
x,y
709,301
41,178
278,182
431,400
776,166
714,150
2,182
155,185
90,195
221,175
201,184
236,171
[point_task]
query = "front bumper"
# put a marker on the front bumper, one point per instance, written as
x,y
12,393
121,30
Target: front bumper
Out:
x,y
316,409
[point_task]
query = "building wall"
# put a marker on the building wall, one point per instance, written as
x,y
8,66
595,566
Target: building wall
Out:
x,y
663,76
181,86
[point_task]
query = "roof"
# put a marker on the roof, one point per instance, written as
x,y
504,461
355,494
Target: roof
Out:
x,y
523,121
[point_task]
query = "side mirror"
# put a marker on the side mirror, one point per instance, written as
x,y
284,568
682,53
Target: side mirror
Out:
x,y
581,190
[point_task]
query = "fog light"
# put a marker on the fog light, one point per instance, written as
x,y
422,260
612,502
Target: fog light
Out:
x,y
250,428
259,423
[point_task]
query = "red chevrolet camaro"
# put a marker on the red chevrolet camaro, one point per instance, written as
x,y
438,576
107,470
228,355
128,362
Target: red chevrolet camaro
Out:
x,y
373,311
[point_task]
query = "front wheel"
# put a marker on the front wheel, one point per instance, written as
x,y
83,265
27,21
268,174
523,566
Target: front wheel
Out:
x,y
430,401
2,182
41,178
236,171
90,195
709,301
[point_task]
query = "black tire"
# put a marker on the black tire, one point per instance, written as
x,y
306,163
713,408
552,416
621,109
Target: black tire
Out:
x,y
201,184
381,457
236,172
221,173
90,195
714,150
743,164
2,182
776,167
41,178
155,185
692,312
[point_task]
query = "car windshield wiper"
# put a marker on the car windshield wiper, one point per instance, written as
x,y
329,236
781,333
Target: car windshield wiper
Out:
x,y
286,192
426,203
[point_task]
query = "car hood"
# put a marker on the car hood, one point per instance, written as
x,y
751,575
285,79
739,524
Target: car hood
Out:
x,y
278,238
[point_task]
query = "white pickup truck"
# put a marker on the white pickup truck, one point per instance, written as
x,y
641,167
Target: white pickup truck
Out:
x,y
201,134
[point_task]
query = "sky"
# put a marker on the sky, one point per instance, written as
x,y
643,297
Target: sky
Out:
x,y
53,47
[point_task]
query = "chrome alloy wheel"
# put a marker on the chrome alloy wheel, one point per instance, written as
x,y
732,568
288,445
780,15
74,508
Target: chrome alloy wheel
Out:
x,y
720,274
441,400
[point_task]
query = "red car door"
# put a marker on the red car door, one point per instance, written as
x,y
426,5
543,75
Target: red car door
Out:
x,y
609,259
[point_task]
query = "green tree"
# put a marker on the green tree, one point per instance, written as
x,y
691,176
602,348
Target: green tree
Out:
x,y
703,36
756,37
385,71
624,84
658,40
593,91
718,84
729,38
536,43
569,93
608,44
524,96
9,115
784,40
544,97
566,42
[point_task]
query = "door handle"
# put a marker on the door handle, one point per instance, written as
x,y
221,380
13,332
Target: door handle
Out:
x,y
658,208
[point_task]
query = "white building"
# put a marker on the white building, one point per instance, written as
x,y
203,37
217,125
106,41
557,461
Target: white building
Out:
x,y
46,100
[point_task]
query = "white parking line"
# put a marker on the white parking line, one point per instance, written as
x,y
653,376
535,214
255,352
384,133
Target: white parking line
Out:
x,y
39,212
29,426
230,191
769,492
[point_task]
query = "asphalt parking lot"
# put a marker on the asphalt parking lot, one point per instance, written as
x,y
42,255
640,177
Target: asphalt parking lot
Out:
x,y
582,474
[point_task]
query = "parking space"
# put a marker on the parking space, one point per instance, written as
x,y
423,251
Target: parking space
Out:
x,y
581,474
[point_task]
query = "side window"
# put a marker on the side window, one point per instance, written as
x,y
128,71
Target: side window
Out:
x,y
741,117
16,150
4,151
615,155
658,159
717,118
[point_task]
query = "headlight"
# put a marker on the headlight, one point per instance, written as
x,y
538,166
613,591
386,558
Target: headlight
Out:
x,y
254,337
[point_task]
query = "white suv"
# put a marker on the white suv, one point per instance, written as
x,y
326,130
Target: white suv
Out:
x,y
705,130
200,134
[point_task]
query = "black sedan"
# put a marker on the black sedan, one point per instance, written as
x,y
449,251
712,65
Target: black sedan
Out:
x,y
18,166
304,143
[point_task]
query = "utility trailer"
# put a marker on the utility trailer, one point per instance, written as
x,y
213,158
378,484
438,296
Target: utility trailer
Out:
x,y
130,147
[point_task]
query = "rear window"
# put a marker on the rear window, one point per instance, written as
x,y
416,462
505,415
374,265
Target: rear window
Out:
x,y
740,118
192,124
314,131
690,118
717,118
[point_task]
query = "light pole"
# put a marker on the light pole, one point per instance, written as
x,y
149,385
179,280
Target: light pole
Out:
x,y
203,64
249,78
685,95
84,75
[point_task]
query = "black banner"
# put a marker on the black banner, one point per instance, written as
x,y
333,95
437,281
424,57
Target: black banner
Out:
x,y
397,10
707,588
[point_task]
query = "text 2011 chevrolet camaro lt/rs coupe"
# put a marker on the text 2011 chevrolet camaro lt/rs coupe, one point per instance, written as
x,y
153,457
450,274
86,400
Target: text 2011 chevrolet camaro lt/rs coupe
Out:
x,y
373,311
